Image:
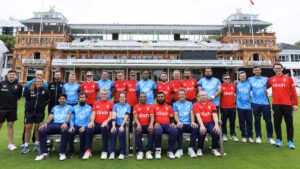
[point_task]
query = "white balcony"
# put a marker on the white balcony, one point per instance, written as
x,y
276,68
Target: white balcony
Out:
x,y
129,63
145,45
34,62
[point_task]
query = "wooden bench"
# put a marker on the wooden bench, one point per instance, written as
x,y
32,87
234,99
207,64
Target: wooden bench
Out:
x,y
96,137
185,136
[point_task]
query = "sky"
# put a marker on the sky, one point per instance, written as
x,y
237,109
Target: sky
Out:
x,y
283,14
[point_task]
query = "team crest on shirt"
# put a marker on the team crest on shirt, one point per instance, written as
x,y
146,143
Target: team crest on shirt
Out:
x,y
231,88
274,80
97,107
43,92
139,109
16,86
4,86
208,107
107,106
61,85
148,109
284,79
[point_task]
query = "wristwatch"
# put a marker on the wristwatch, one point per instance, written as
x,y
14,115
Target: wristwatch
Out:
x,y
213,96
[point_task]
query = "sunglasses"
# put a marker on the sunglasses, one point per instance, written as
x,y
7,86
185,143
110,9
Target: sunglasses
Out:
x,y
226,78
89,75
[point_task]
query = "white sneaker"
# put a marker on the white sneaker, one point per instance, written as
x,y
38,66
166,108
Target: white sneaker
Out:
x,y
104,156
199,153
87,155
111,156
271,141
149,155
244,140
158,153
121,157
224,137
62,157
41,157
234,138
139,155
171,155
250,139
216,153
11,147
191,152
76,140
258,140
179,153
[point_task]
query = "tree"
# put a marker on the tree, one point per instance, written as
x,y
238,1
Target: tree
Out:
x,y
9,41
297,43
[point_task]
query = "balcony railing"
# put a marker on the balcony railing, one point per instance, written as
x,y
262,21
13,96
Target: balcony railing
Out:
x,y
144,63
259,63
148,45
32,62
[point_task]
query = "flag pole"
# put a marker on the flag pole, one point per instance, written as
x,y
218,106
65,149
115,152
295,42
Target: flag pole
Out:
x,y
251,22
41,22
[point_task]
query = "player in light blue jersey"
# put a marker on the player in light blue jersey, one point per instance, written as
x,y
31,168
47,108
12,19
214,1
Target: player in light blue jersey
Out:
x,y
147,86
71,89
57,123
121,112
80,118
184,117
261,105
104,82
243,89
211,86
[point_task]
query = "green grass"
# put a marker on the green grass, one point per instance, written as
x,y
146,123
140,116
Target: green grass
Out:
x,y
239,155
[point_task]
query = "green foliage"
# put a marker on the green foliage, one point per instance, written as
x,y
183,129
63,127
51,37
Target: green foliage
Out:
x,y
9,41
297,43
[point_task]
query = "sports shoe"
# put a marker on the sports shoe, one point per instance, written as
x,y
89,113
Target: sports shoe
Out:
x,y
199,153
11,147
112,156
104,156
25,150
234,138
179,153
139,155
244,140
291,145
36,147
121,157
216,153
271,141
278,143
149,155
224,137
191,152
171,155
62,157
250,139
41,157
158,153
87,155
258,140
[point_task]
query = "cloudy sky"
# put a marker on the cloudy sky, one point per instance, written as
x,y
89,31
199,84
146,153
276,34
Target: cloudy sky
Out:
x,y
283,14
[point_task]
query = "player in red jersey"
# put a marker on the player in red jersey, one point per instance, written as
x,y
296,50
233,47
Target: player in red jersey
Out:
x,y
131,98
164,123
90,88
165,87
99,123
144,119
227,107
285,101
176,84
119,86
190,85
207,117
